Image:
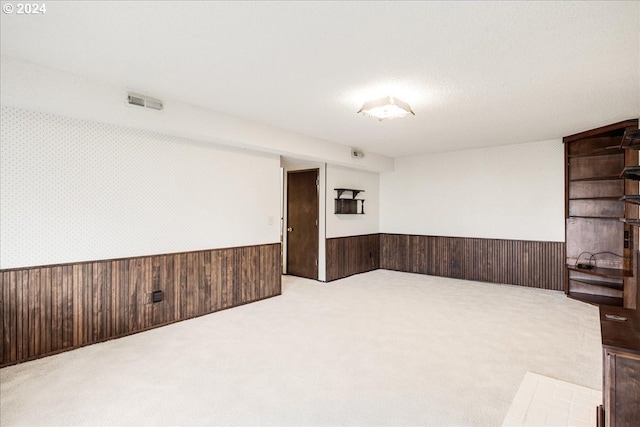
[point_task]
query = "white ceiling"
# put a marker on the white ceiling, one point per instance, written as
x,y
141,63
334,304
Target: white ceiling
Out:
x,y
476,73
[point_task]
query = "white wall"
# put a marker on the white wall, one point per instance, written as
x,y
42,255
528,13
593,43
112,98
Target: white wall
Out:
x,y
74,190
353,225
508,192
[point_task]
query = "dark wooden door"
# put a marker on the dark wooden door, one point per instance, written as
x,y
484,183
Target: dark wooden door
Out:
x,y
302,223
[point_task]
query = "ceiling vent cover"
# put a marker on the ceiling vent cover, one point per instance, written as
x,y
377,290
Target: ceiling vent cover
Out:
x,y
143,101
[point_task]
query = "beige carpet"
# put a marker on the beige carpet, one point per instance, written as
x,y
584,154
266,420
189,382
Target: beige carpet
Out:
x,y
381,348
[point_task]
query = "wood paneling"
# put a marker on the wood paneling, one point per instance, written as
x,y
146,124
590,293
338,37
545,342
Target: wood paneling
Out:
x,y
351,255
524,263
517,262
44,310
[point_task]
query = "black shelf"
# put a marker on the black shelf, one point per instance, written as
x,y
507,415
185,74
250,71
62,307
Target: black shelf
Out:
x,y
353,191
349,206
612,218
633,137
597,299
631,172
631,198
605,218
596,198
597,178
631,221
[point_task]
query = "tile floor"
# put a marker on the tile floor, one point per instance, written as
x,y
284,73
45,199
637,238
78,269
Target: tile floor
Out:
x,y
544,401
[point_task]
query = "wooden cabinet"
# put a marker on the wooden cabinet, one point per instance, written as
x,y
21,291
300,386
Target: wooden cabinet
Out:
x,y
621,367
601,211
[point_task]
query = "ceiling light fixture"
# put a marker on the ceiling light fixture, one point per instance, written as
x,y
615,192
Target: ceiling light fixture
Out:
x,y
386,108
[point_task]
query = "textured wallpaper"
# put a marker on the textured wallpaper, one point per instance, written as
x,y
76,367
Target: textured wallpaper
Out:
x,y
74,190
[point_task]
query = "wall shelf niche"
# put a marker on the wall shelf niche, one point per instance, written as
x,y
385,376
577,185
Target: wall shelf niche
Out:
x,y
346,205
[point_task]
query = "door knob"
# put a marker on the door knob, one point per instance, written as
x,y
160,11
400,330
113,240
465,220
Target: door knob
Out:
x,y
289,228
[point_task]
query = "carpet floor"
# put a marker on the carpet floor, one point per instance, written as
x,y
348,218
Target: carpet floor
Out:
x,y
380,348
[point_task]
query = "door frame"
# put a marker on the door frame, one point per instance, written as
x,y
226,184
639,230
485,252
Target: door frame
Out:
x,y
317,215
289,165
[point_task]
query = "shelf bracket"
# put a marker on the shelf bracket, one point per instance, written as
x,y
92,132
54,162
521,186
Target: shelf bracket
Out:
x,y
354,192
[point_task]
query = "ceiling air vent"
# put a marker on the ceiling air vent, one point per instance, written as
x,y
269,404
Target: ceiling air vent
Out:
x,y
142,101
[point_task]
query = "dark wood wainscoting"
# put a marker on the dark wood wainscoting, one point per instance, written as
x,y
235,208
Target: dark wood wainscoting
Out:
x,y
517,262
49,309
351,255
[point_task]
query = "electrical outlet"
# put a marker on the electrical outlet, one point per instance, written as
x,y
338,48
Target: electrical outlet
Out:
x,y
157,296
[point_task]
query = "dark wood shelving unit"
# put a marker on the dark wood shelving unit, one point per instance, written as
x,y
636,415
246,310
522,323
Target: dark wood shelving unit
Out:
x,y
348,206
631,172
601,211
611,217
598,198
618,286
597,299
631,198
634,222
612,149
612,273
598,178
596,285
631,140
